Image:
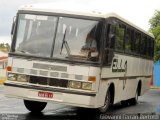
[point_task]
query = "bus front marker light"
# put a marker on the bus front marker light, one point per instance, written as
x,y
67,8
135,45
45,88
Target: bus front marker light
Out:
x,y
12,77
22,78
92,78
75,84
9,68
87,86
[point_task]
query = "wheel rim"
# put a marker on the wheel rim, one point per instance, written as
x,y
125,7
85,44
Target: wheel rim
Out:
x,y
107,102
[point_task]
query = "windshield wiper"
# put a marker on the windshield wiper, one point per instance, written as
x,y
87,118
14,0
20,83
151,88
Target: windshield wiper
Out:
x,y
67,48
65,43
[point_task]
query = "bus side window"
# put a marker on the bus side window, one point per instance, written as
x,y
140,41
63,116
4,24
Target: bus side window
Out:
x,y
128,40
137,40
119,39
143,45
148,43
152,48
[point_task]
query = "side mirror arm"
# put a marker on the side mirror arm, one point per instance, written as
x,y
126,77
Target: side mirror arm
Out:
x,y
13,25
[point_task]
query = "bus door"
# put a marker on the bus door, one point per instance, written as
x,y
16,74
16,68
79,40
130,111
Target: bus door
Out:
x,y
110,41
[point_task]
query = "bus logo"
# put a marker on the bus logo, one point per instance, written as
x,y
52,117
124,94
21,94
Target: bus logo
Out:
x,y
119,65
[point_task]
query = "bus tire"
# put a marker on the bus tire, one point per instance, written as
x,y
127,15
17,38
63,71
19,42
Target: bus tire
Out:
x,y
34,106
107,102
134,100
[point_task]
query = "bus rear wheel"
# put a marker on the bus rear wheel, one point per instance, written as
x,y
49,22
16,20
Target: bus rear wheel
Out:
x,y
107,103
134,100
34,106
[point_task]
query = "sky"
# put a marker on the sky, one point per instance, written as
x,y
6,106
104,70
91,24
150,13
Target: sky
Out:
x,y
136,11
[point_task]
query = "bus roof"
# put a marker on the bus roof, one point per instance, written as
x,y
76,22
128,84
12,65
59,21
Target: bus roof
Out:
x,y
77,10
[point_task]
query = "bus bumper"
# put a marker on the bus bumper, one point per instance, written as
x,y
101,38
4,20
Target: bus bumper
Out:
x,y
63,96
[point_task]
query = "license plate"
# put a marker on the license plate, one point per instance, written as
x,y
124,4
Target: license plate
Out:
x,y
45,94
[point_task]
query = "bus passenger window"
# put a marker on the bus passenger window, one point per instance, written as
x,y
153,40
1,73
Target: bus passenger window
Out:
x,y
143,45
152,48
120,31
128,40
137,42
149,47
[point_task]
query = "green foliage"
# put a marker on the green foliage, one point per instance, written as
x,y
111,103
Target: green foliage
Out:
x,y
155,30
155,20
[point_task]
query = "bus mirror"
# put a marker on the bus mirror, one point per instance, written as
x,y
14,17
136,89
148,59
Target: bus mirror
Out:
x,y
13,25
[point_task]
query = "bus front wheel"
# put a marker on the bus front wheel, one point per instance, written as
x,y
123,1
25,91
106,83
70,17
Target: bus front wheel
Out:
x,y
34,106
107,103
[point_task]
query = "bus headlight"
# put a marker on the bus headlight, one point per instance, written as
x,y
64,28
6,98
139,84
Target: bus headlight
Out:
x,y
12,77
75,84
22,78
87,86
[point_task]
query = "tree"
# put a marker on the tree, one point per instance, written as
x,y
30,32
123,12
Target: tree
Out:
x,y
7,46
4,47
155,30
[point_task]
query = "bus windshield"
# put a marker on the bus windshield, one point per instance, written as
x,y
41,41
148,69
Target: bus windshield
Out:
x,y
58,37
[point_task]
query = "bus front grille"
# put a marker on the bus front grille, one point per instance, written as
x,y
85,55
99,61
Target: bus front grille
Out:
x,y
58,82
48,81
38,80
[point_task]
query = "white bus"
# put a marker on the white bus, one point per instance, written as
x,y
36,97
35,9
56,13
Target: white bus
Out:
x,y
79,58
